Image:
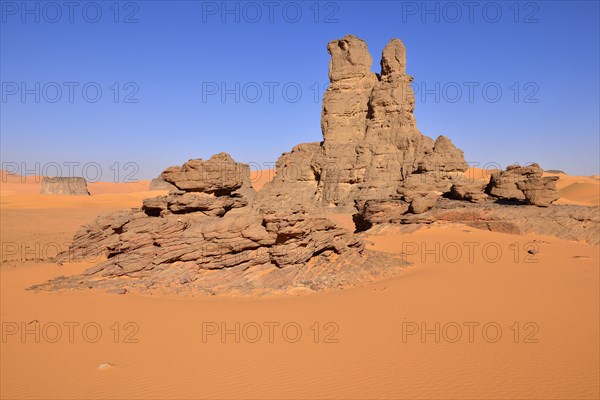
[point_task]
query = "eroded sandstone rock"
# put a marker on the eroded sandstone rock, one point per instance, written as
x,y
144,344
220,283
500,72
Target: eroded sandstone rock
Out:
x,y
503,184
218,175
371,145
540,191
569,222
213,233
524,183
472,191
204,237
64,185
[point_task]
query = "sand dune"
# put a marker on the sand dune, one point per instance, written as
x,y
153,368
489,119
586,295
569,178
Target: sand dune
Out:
x,y
259,177
580,190
546,305
370,323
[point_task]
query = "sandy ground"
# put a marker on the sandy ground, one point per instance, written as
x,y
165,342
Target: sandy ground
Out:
x,y
475,317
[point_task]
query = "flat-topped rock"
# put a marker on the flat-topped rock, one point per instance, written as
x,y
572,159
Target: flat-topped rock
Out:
x,y
219,174
73,186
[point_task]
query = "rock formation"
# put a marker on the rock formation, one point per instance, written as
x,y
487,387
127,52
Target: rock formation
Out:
x,y
540,192
524,183
472,191
568,222
159,183
64,186
371,146
203,236
213,233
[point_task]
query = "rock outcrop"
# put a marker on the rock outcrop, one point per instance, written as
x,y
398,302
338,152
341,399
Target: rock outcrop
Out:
x,y
524,183
371,146
75,186
472,191
203,236
540,192
212,233
569,222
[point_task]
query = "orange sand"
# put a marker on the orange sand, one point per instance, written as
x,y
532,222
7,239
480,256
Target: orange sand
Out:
x,y
366,351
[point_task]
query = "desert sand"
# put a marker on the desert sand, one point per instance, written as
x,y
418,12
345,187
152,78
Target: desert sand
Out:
x,y
528,323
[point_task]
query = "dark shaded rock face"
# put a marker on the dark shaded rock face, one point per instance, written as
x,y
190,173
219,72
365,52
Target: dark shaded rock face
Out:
x,y
65,186
202,237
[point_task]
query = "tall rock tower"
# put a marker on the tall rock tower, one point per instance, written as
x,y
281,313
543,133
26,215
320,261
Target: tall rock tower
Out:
x,y
371,146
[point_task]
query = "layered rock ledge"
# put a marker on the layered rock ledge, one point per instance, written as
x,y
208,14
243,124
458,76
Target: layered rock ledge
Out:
x,y
203,238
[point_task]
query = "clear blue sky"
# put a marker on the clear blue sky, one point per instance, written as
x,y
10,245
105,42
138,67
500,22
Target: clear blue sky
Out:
x,y
175,58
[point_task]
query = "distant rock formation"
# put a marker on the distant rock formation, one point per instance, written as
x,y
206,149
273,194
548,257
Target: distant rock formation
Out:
x,y
159,183
65,186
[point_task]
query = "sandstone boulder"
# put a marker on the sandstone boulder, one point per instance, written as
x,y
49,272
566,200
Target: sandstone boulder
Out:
x,y
422,202
539,191
472,191
218,175
503,184
524,183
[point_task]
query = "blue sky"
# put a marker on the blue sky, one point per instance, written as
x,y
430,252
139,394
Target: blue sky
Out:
x,y
506,81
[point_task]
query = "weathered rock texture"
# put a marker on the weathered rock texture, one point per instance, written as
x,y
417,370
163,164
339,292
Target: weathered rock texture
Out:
x,y
569,222
64,185
540,191
201,237
371,146
524,183
472,191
